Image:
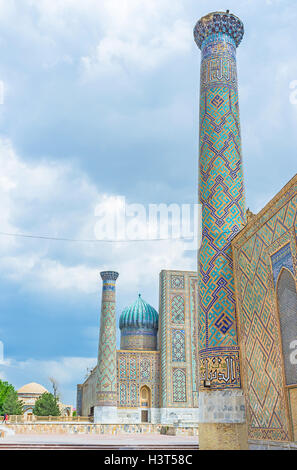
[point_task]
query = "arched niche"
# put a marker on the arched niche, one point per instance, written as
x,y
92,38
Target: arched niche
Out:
x,y
287,309
145,403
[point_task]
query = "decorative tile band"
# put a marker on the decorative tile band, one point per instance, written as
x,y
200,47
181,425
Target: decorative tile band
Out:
x,y
221,367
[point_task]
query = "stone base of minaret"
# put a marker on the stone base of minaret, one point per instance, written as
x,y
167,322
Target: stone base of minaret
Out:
x,y
172,416
222,424
106,415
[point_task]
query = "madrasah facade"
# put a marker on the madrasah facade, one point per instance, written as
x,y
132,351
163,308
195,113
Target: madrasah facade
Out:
x,y
222,351
153,377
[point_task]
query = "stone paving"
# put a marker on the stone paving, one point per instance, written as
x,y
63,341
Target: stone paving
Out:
x,y
82,439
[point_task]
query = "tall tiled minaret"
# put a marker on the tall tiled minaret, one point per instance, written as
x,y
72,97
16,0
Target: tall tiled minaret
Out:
x,y
221,195
106,387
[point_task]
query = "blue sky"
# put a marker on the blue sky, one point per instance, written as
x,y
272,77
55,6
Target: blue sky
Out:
x,y
101,100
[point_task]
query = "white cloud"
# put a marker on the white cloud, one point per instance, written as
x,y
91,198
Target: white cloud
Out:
x,y
61,277
142,34
68,371
52,199
137,50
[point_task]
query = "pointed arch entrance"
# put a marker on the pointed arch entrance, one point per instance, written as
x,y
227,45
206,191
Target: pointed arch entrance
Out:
x,y
145,403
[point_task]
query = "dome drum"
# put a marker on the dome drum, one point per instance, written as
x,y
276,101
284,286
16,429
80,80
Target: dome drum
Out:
x,y
139,338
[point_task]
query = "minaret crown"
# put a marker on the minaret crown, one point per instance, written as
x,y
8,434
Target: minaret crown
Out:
x,y
218,22
109,275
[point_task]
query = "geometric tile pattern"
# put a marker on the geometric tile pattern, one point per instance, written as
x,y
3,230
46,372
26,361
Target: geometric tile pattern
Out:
x,y
163,332
280,260
178,346
218,21
260,250
177,282
221,194
133,394
179,385
133,369
178,309
178,338
106,387
287,307
193,308
122,368
145,372
123,393
136,369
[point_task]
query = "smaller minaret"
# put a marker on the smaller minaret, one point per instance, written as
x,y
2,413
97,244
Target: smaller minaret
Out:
x,y
106,386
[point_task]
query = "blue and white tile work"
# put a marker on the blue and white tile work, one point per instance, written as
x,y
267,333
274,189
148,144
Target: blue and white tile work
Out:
x,y
156,367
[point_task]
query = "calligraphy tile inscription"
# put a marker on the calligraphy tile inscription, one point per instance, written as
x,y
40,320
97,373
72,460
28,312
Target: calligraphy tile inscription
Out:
x,y
220,369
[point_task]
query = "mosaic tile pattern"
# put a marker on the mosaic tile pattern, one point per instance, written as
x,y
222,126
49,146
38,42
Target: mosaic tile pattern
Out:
x,y
221,192
163,336
179,386
282,259
218,22
178,338
193,307
287,307
145,372
123,393
177,309
260,251
177,281
106,387
133,369
178,346
140,368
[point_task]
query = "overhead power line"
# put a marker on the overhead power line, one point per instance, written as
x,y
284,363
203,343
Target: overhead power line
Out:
x,y
45,237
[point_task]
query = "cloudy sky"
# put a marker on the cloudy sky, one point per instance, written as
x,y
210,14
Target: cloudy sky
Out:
x,y
101,100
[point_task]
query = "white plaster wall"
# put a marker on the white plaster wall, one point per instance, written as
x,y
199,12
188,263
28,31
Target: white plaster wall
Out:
x,y
106,415
179,416
222,406
168,416
133,416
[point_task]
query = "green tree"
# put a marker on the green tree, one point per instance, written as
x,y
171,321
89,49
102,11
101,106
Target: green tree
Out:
x,y
12,405
5,390
46,405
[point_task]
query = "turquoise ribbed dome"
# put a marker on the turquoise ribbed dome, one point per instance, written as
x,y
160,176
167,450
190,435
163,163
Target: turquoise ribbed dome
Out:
x,y
139,315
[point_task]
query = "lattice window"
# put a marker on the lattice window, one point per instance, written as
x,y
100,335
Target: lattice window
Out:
x,y
177,309
179,385
178,346
145,367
